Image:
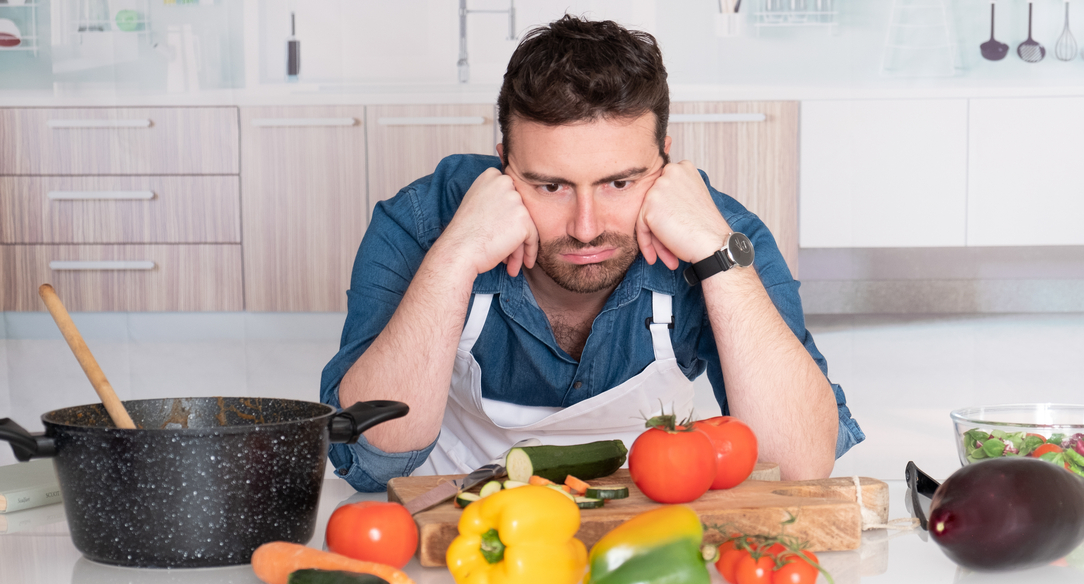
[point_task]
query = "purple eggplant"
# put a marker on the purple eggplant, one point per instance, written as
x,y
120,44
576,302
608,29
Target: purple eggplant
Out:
x,y
1008,514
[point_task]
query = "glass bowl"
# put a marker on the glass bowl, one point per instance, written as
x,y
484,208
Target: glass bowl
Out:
x,y
1019,429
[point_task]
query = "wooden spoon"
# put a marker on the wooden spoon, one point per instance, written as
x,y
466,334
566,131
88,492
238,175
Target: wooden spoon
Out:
x,y
90,366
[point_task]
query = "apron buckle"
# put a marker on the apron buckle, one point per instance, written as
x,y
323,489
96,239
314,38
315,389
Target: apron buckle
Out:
x,y
648,322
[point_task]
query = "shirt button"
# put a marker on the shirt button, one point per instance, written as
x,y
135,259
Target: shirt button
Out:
x,y
343,471
577,385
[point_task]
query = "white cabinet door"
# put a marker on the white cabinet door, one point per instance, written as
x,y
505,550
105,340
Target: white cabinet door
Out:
x,y
1026,180
883,173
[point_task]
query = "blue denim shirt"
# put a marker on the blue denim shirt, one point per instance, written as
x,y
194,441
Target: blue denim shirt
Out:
x,y
519,358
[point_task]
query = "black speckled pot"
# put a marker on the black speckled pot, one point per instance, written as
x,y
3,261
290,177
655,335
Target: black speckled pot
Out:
x,y
200,482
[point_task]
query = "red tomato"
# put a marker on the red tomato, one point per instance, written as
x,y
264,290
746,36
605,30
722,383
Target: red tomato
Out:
x,y
727,564
796,570
759,571
374,532
735,449
672,466
1044,449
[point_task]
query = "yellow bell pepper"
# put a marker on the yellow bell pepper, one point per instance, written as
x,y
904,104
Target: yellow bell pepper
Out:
x,y
523,536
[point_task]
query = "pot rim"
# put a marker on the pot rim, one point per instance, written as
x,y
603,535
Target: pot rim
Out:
x,y
198,431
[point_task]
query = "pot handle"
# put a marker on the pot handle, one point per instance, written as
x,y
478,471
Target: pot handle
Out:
x,y
346,426
25,444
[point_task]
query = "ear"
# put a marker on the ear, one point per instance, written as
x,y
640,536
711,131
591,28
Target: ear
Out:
x,y
500,154
666,145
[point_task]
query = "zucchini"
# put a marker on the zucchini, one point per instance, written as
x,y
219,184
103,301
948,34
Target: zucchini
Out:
x,y
463,499
589,502
314,576
585,461
490,488
607,492
558,488
513,484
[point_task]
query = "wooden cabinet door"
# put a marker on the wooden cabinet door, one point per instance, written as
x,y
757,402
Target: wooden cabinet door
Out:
x,y
884,173
1025,185
407,141
756,162
303,205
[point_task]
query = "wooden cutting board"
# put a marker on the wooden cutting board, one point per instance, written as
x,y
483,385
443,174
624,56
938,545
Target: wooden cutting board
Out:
x,y
826,510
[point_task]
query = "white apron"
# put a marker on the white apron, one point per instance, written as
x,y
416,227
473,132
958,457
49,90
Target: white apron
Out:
x,y
476,430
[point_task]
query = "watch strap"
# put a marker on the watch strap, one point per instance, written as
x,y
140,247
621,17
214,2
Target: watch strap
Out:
x,y
705,268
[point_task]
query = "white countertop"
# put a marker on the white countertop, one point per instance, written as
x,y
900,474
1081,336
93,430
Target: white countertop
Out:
x,y
44,554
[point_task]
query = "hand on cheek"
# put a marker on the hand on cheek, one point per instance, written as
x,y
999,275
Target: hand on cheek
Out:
x,y
493,226
678,219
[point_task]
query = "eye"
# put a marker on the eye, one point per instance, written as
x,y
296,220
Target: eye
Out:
x,y
551,188
620,184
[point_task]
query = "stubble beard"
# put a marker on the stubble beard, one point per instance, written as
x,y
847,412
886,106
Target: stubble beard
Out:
x,y
589,278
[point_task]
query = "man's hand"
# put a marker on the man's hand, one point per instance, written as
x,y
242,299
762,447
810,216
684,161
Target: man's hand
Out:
x,y
492,226
678,218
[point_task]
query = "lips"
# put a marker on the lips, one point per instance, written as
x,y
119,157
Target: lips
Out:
x,y
585,257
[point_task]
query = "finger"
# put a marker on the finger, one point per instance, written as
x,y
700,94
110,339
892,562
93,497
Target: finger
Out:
x,y
515,262
530,249
646,240
667,256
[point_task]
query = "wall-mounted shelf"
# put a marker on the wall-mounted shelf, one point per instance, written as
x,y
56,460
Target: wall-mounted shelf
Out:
x,y
771,13
28,42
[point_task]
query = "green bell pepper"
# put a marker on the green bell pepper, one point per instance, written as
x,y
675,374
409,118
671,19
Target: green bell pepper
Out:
x,y
661,545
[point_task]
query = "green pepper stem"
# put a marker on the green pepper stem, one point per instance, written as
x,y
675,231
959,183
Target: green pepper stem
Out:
x,y
492,547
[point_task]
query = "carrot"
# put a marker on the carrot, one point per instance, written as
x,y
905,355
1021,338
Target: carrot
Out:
x,y
273,562
540,481
578,487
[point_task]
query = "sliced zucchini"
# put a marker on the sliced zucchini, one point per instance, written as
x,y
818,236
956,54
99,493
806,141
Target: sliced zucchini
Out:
x,y
585,461
562,491
513,484
490,488
316,576
463,499
589,502
607,492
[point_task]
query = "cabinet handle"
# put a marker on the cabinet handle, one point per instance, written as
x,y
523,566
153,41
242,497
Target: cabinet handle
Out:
x,y
695,118
302,122
98,195
101,265
98,123
433,121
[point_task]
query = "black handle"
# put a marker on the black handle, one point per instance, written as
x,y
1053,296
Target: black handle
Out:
x,y
25,444
346,426
919,483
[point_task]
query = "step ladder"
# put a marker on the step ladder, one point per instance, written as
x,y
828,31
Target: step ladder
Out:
x,y
919,41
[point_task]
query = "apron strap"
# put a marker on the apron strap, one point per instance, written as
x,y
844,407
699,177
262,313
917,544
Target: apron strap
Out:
x,y
475,321
662,317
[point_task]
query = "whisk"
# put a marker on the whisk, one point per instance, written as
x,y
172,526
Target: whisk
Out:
x,y
1065,49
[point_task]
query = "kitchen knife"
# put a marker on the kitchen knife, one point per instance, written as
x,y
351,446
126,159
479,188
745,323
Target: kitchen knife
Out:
x,y
445,491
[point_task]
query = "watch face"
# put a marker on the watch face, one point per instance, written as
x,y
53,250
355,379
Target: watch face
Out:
x,y
740,249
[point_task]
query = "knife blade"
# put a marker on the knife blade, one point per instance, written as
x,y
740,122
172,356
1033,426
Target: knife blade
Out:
x,y
445,491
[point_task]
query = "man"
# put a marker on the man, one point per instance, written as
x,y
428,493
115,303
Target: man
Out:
x,y
543,293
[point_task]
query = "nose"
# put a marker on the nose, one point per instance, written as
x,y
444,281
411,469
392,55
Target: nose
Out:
x,y
585,221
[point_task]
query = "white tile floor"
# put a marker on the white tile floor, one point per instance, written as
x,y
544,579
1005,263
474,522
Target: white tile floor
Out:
x,y
902,373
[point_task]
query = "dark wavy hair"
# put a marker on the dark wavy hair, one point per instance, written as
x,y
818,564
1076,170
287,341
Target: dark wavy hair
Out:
x,y
577,70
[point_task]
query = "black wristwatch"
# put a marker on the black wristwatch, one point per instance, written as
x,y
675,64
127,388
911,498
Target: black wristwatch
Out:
x,y
737,250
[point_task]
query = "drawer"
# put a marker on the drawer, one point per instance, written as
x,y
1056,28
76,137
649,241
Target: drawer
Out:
x,y
122,278
120,209
166,140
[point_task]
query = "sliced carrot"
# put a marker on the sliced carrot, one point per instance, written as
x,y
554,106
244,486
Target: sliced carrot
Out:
x,y
274,562
540,481
578,487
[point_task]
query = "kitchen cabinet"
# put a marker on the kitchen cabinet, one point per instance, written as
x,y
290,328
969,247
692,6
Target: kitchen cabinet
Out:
x,y
407,141
121,209
749,151
304,207
1025,184
884,173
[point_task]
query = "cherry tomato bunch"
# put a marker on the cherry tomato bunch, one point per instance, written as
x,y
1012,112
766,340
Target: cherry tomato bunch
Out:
x,y
761,560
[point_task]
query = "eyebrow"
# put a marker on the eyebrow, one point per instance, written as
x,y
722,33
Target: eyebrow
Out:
x,y
623,175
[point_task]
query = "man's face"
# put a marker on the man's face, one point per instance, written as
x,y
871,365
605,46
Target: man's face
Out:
x,y
583,185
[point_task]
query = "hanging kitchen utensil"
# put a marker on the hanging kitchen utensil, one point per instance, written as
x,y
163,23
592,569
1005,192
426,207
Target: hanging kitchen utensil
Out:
x,y
86,359
1029,50
993,50
1065,48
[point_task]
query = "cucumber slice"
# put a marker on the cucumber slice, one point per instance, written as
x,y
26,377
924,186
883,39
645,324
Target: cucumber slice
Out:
x,y
607,492
584,461
464,499
513,484
490,488
589,502
316,576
